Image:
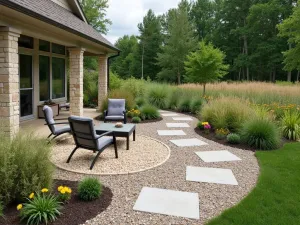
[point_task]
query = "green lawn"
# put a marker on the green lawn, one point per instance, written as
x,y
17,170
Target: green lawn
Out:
x,y
276,198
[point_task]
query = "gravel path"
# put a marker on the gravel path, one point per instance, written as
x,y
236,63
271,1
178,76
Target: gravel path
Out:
x,y
214,198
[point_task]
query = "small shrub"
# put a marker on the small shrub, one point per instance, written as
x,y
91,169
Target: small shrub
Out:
x,y
114,81
227,112
89,189
43,208
158,97
196,105
136,87
119,94
140,101
233,138
136,119
221,133
149,112
25,166
261,134
134,113
173,99
290,125
185,105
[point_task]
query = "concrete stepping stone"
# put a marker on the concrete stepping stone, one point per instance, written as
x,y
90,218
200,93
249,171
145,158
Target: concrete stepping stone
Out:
x,y
210,175
172,125
188,142
217,156
182,118
170,132
168,202
169,114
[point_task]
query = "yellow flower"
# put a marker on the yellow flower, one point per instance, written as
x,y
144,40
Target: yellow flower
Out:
x,y
19,207
44,190
69,190
60,188
31,196
63,191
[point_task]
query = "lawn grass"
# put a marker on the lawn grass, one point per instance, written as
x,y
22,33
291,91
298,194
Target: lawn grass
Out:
x,y
276,198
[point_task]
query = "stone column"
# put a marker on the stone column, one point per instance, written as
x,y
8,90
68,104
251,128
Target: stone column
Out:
x,y
76,81
9,81
102,79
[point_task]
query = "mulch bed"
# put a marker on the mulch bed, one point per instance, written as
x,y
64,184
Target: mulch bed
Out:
x,y
74,212
129,120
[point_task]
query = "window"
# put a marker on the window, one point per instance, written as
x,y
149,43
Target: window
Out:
x,y
44,72
44,46
58,77
58,49
25,42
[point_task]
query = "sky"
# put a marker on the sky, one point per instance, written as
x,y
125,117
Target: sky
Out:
x,y
126,14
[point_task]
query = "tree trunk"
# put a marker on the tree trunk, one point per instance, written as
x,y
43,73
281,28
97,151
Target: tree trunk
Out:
x,y
204,87
240,73
289,75
143,61
246,53
274,76
178,78
271,76
298,74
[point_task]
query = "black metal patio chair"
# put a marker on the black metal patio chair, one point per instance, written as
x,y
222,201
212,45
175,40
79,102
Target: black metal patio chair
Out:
x,y
115,111
50,122
84,135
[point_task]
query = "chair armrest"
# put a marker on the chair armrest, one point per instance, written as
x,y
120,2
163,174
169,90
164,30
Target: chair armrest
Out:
x,y
105,134
124,112
55,123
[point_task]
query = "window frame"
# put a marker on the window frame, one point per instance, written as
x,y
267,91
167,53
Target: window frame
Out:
x,y
50,54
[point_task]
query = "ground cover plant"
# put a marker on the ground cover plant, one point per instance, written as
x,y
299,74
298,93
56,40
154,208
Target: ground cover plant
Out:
x,y
89,189
276,198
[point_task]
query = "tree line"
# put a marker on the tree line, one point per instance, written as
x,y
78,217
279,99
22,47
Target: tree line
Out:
x,y
260,39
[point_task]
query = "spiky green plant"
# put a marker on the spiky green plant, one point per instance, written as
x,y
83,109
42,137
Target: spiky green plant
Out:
x,y
290,125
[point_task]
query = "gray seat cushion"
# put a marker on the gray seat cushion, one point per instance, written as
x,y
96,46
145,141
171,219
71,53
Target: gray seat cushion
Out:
x,y
101,142
114,117
116,107
61,130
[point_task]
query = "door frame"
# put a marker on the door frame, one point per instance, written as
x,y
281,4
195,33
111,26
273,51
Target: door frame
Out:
x,y
29,52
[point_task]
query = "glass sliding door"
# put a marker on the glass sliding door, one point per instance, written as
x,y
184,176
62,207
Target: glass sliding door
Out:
x,y
26,86
58,78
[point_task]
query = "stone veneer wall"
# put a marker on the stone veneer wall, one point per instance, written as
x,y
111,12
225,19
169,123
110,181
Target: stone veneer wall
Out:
x,y
76,81
102,80
9,81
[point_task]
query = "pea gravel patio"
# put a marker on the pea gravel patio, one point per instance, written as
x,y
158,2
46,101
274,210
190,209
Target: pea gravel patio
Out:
x,y
213,198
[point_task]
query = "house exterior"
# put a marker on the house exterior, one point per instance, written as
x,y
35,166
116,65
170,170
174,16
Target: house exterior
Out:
x,y
40,41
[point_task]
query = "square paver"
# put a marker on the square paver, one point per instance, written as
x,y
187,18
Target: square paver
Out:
x,y
188,142
183,118
168,202
169,114
172,125
217,156
210,175
170,132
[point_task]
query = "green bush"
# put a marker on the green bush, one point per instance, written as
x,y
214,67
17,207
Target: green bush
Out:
x,y
173,99
196,105
119,94
115,81
136,87
149,112
234,138
140,101
43,208
25,166
157,97
290,125
136,119
89,189
226,112
261,134
185,105
90,88
1,209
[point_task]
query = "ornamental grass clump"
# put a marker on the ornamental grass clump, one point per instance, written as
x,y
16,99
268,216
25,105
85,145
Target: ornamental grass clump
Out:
x,y
290,125
185,105
25,166
149,112
158,96
261,134
196,105
227,112
136,119
233,138
89,189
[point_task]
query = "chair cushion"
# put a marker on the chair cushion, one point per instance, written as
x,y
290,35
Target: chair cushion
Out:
x,y
61,130
101,142
49,118
114,117
116,107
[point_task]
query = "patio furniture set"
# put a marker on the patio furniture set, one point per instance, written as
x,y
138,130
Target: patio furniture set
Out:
x,y
90,137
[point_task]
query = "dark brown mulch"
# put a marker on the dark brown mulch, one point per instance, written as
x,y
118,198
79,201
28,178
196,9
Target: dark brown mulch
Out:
x,y
211,136
129,120
74,212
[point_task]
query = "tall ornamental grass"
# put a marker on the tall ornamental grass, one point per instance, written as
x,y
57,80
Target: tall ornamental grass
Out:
x,y
290,125
226,112
158,96
24,166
